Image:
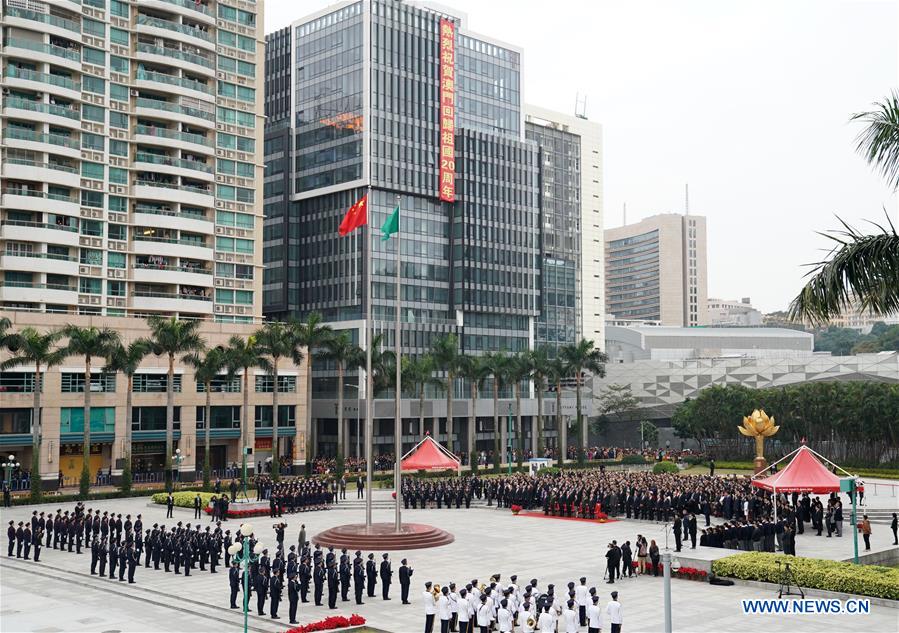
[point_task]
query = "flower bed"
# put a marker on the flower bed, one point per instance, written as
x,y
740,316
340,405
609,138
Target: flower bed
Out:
x,y
691,573
813,573
243,513
329,624
516,509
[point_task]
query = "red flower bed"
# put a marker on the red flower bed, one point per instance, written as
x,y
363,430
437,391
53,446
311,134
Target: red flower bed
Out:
x,y
329,624
692,573
516,509
243,513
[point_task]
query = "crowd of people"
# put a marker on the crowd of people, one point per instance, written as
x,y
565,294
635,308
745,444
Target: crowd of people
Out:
x,y
485,607
298,494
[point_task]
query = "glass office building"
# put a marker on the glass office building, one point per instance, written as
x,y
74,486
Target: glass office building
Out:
x,y
365,119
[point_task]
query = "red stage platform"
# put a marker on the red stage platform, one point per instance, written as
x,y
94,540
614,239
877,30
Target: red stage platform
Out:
x,y
540,515
382,537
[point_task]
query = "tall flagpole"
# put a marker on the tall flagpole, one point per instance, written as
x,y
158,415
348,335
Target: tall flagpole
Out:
x,y
369,395
398,424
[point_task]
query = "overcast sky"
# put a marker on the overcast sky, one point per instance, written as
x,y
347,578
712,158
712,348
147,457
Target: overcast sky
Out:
x,y
747,101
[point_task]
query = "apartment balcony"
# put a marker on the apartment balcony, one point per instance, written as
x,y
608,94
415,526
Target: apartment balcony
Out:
x,y
43,22
170,302
161,274
40,201
143,245
169,192
176,85
157,27
16,291
195,62
156,108
37,111
175,166
147,216
173,138
21,138
51,173
39,263
189,8
42,82
18,231
16,47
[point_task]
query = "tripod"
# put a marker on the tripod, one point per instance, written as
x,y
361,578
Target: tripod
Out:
x,y
787,580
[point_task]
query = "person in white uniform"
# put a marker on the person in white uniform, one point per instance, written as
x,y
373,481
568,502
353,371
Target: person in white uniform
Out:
x,y
504,617
454,606
546,623
569,617
427,599
443,610
594,617
582,599
526,614
613,610
485,613
464,610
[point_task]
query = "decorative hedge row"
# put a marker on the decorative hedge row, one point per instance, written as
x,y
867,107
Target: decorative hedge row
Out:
x,y
813,573
665,467
184,499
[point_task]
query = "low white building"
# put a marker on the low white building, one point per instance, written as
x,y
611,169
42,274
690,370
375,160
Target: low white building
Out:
x,y
733,313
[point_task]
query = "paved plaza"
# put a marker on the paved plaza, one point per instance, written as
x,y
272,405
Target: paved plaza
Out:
x,y
58,594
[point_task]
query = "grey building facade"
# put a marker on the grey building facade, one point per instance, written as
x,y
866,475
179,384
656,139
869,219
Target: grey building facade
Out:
x,y
364,119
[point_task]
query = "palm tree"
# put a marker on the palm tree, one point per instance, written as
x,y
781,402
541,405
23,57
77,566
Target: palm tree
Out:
x,y
89,342
32,347
418,373
244,354
172,337
519,369
445,351
583,357
310,334
861,268
498,363
475,370
277,341
127,360
557,371
340,349
5,324
207,368
539,362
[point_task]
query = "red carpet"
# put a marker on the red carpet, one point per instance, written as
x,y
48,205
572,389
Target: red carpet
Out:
x,y
549,516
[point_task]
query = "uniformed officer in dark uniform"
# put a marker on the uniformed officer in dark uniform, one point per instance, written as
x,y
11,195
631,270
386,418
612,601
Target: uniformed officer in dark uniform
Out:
x,y
318,579
133,560
261,592
234,580
95,556
358,577
386,574
305,575
405,579
275,587
371,571
11,536
344,571
293,597
332,586
102,552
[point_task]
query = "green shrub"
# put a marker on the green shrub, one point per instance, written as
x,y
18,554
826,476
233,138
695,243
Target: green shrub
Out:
x,y
126,476
633,459
813,573
549,470
473,462
184,499
665,467
693,460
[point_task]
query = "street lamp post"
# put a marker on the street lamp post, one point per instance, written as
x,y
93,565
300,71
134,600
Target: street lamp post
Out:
x,y
668,566
244,557
10,465
177,458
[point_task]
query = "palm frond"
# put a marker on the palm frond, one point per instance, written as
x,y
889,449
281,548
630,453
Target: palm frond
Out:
x,y
861,268
879,141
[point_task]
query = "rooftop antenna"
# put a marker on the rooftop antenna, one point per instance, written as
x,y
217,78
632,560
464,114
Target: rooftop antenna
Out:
x,y
687,199
580,106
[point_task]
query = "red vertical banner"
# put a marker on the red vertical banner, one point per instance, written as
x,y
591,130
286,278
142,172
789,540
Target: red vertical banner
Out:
x,y
447,182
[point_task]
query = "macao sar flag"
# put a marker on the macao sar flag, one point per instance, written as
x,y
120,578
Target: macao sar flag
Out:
x,y
391,224
356,216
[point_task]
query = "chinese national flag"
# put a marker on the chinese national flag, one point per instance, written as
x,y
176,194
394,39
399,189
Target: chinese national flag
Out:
x,y
356,216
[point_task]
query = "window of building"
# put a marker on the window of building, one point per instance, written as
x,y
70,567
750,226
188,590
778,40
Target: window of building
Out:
x,y
71,419
73,382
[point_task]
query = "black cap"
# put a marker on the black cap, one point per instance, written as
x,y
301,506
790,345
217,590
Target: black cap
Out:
x,y
384,556
614,595
403,561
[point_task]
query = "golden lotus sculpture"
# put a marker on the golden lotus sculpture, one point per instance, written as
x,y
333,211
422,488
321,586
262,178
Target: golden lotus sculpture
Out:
x,y
759,425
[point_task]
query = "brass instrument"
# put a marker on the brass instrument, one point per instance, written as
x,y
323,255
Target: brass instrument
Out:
x,y
483,587
436,591
532,623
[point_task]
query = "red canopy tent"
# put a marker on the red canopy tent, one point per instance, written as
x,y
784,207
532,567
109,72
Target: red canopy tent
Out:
x,y
429,455
804,473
